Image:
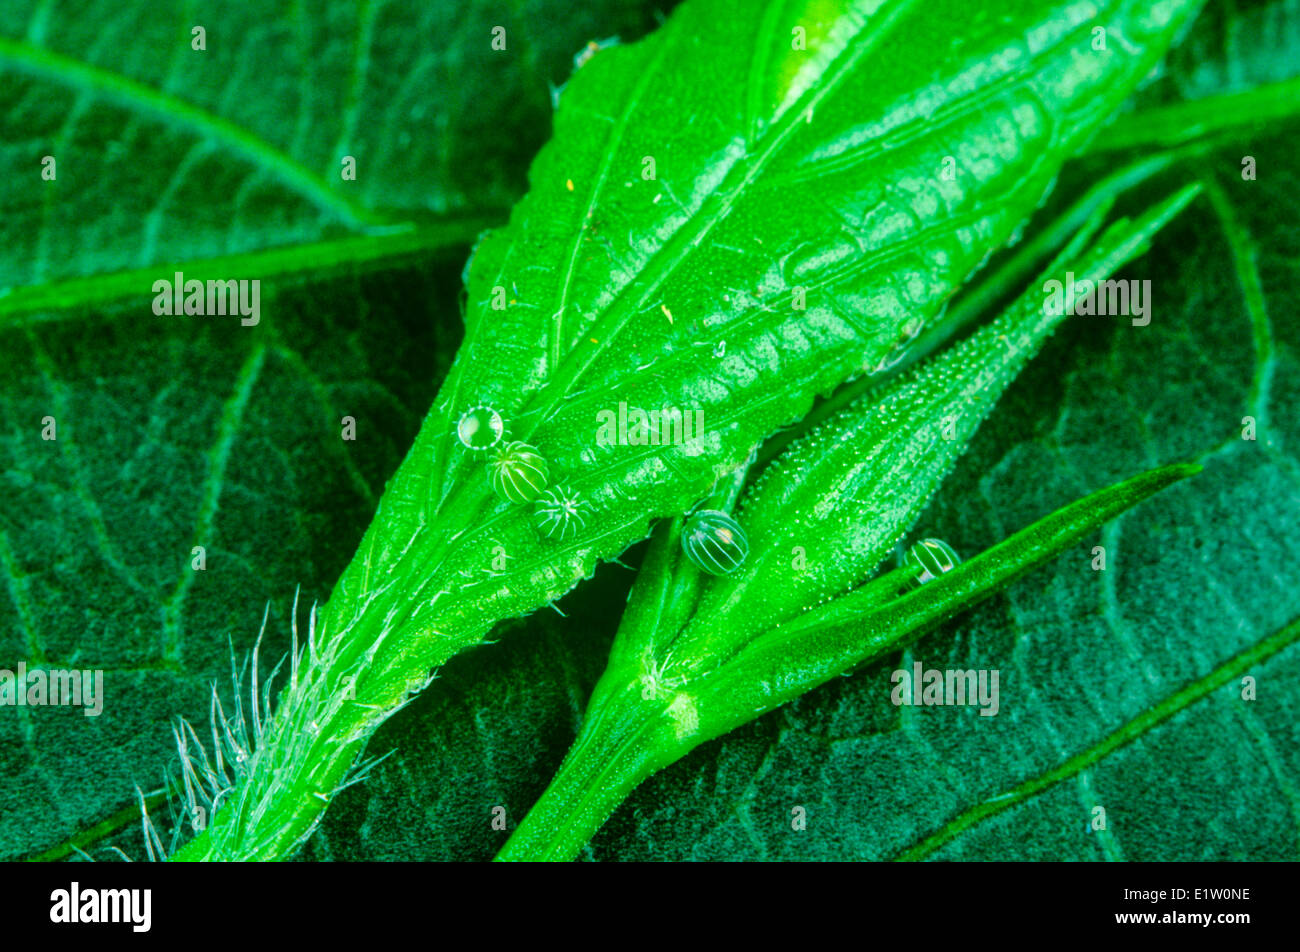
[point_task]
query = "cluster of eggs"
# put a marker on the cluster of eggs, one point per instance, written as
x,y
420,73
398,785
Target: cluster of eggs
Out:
x,y
519,474
713,541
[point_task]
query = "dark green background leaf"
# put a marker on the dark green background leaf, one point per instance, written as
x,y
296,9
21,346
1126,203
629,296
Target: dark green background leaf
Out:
x,y
166,153
208,434
1196,575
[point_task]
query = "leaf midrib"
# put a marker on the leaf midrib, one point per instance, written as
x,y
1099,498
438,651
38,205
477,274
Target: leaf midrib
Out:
x,y
712,210
1120,737
79,297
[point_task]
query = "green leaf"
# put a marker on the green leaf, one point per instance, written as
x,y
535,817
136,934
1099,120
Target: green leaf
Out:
x,y
688,666
798,229
1200,584
774,253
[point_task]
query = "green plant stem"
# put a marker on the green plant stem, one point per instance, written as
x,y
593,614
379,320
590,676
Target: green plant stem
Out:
x,y
302,761
1201,119
59,299
614,752
628,737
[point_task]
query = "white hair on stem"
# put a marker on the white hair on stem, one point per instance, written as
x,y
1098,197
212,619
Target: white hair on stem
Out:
x,y
211,778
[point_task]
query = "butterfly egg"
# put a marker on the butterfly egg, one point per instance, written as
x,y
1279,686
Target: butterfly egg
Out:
x,y
714,542
517,472
558,513
480,428
930,558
